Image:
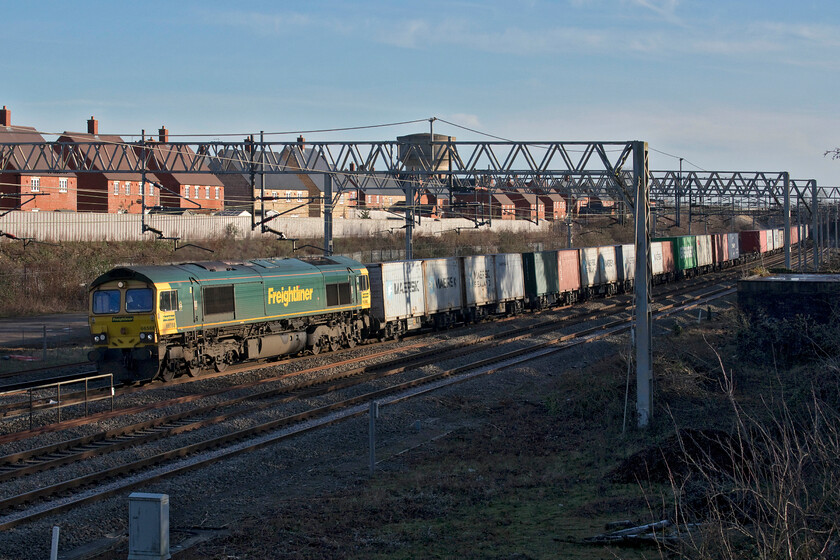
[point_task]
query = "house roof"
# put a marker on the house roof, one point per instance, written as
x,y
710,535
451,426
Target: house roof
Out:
x,y
120,159
502,199
19,158
175,157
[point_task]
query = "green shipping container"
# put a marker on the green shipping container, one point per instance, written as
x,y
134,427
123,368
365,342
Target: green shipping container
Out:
x,y
540,271
685,252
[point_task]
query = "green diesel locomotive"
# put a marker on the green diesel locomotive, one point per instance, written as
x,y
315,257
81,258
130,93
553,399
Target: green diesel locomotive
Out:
x,y
152,322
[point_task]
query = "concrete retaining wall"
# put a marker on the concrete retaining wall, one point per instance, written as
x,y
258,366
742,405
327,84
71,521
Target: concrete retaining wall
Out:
x,y
70,226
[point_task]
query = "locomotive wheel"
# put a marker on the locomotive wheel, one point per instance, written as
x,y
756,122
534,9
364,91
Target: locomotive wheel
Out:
x,y
193,370
316,348
167,374
335,344
220,365
351,341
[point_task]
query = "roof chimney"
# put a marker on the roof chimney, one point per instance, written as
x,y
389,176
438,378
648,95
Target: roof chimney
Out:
x,y
163,134
93,126
5,117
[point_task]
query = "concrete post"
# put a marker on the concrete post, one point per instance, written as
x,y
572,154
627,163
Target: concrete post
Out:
x,y
373,415
54,544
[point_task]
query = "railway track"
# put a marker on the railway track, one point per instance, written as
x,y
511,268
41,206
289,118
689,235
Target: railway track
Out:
x,y
38,460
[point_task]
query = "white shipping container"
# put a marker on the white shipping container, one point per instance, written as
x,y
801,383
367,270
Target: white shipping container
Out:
x,y
588,266
627,266
510,281
442,281
704,250
396,290
771,240
779,236
656,265
607,270
479,280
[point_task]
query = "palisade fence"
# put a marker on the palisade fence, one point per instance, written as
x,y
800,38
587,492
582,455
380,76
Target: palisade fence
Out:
x,y
56,227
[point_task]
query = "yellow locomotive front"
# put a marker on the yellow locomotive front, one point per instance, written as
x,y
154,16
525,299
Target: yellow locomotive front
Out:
x,y
122,327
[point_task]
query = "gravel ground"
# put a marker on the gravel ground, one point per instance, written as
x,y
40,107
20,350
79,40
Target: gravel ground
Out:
x,y
316,462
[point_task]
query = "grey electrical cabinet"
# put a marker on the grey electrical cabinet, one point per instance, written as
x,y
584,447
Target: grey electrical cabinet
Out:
x,y
148,526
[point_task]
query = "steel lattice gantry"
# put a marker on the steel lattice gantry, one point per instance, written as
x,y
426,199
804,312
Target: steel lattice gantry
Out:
x,y
593,168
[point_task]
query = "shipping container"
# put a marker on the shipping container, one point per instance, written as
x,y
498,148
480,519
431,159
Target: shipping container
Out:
x,y
779,236
720,248
794,235
598,266
479,276
656,263
683,250
771,239
396,290
588,266
542,284
510,283
607,267
626,263
753,241
734,249
703,245
568,268
443,285
662,259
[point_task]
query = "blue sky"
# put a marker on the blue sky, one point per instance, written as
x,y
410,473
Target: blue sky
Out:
x,y
750,85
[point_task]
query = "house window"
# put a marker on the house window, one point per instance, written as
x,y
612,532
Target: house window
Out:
x,y
217,193
274,195
207,192
300,196
196,191
128,187
186,191
62,185
288,196
35,184
116,187
151,189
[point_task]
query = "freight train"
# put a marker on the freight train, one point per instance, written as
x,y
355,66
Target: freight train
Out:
x,y
158,322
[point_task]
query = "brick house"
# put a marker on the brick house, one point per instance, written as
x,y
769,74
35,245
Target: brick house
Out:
x,y
299,194
480,205
555,205
53,191
528,205
198,192
433,205
372,192
106,191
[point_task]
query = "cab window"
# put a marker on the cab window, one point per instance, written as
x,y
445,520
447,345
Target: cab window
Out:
x,y
106,301
138,300
169,300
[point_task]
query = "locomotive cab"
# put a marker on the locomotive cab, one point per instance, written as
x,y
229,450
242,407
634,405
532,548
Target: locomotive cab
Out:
x,y
123,327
